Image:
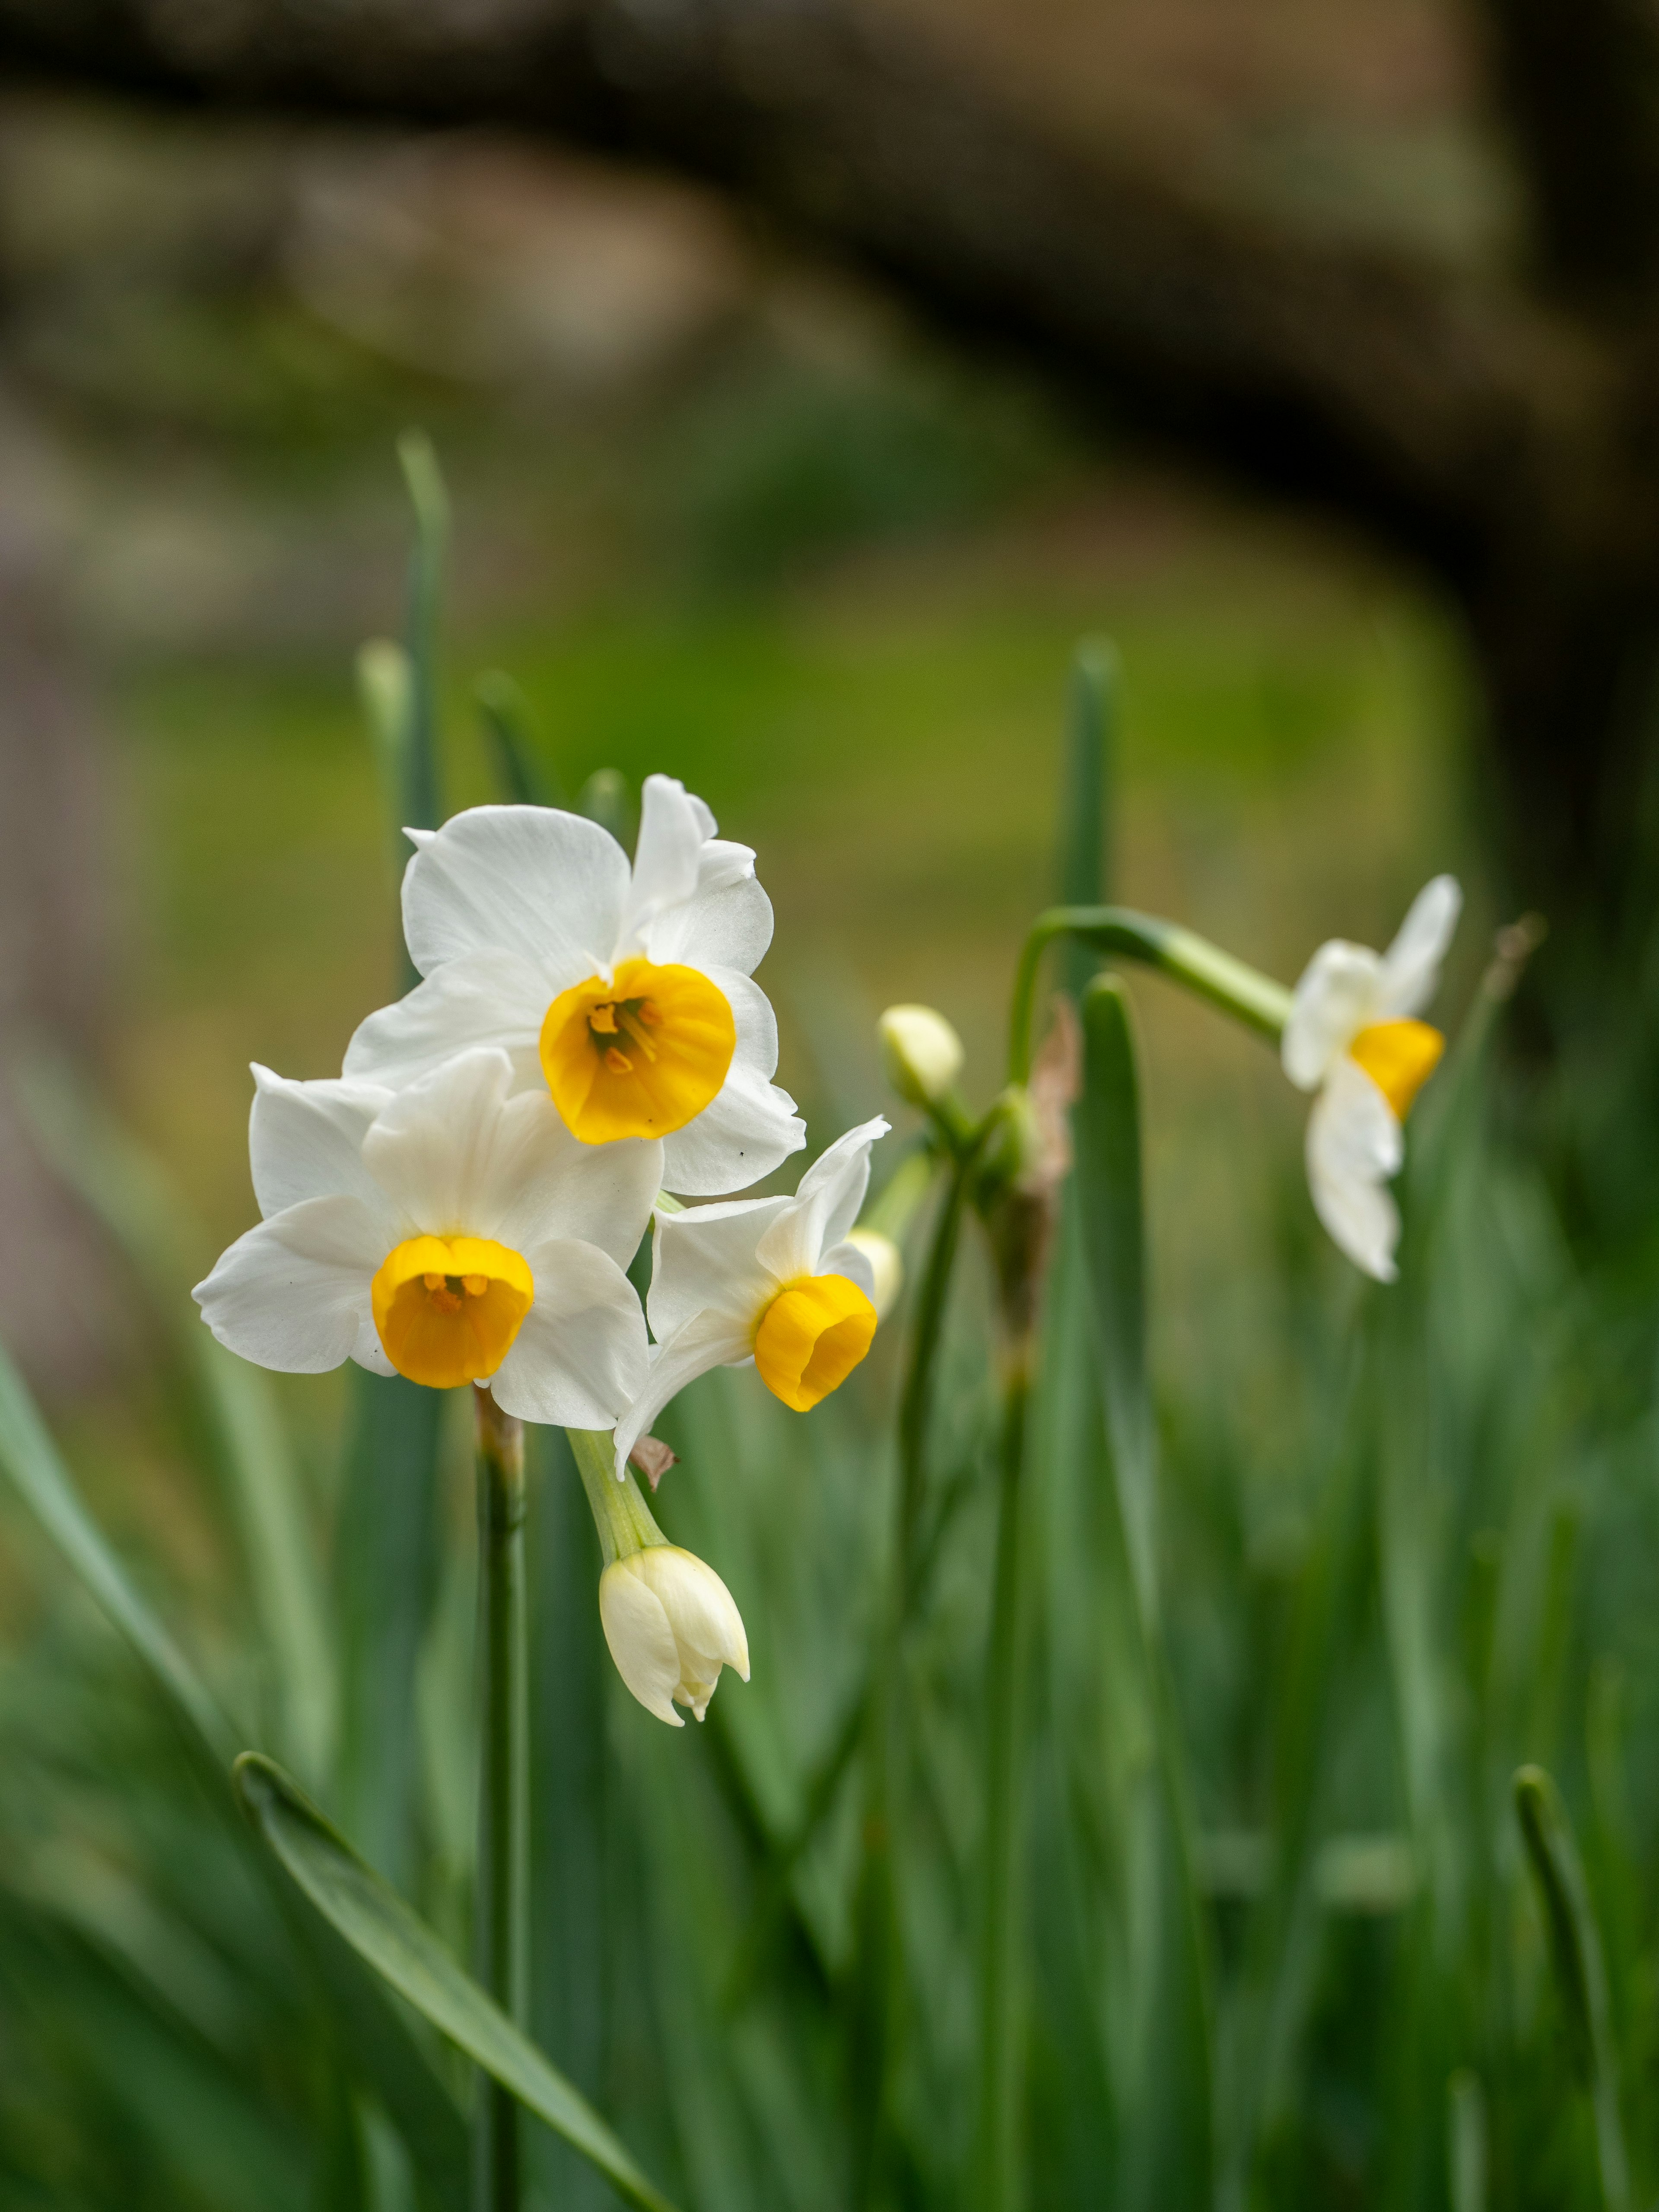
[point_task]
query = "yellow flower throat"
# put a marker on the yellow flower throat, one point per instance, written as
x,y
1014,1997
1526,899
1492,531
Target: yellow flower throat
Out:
x,y
447,1308
638,1056
1399,1057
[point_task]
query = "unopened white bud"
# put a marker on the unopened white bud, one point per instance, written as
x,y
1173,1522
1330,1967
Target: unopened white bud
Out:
x,y
886,1267
923,1052
671,1626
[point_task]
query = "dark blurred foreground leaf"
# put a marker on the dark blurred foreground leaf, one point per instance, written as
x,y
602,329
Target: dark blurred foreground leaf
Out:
x,y
30,1458
383,1930
1580,1970
381,2050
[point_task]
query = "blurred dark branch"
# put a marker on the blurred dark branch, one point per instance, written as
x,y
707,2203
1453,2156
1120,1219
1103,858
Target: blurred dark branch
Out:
x,y
1577,83
1509,445
1389,390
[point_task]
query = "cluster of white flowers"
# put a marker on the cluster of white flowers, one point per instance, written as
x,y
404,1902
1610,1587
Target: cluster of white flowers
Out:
x,y
462,1205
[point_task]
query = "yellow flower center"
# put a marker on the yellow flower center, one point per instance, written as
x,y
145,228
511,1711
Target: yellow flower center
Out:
x,y
1399,1057
638,1056
812,1337
448,1308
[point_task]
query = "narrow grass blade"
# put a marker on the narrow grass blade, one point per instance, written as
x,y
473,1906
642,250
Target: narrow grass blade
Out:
x,y
1176,2128
1466,2141
130,1195
1085,787
1580,1970
387,1553
384,1932
1106,1121
31,1459
421,793
522,775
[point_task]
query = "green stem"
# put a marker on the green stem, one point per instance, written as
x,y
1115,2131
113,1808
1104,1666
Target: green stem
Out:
x,y
994,2161
503,1877
1181,954
620,1515
871,2006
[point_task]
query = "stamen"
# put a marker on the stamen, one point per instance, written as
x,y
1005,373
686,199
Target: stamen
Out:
x,y
447,1301
432,1282
618,1062
629,1022
475,1284
650,1013
604,1020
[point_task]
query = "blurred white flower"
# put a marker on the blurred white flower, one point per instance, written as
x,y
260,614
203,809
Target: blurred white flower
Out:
x,y
449,1231
1352,1036
886,1267
671,1626
922,1051
625,993
774,1279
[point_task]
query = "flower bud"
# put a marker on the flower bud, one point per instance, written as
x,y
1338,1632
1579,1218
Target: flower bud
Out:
x,y
886,1267
922,1053
671,1626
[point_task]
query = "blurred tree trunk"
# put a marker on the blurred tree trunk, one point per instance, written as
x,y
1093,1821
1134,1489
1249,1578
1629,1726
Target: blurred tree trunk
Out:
x,y
1501,433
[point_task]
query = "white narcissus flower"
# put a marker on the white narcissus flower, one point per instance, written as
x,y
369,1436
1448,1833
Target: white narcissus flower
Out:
x,y
450,1231
1353,1037
671,1626
627,994
774,1279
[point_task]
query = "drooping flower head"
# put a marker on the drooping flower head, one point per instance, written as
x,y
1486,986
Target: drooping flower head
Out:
x,y
672,1624
625,994
1353,1037
451,1233
774,1279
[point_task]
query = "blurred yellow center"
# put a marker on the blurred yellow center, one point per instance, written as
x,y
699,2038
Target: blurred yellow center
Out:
x,y
812,1337
640,1055
1399,1057
448,1308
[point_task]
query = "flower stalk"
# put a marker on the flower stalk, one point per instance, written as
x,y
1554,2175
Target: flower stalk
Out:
x,y
1181,954
995,2162
501,1914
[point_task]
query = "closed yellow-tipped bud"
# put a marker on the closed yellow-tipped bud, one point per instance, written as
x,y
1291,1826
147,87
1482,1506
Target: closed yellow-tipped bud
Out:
x,y
922,1052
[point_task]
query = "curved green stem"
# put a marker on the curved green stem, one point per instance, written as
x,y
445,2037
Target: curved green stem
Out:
x,y
502,1915
1181,954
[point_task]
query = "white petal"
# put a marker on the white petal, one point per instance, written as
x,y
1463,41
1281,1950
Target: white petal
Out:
x,y
750,1129
706,1342
482,998
448,1150
704,1259
579,1357
727,926
873,1261
640,1640
824,1207
1333,1002
369,1350
673,828
1354,1144
294,1293
1411,966
305,1141
531,880
599,1195
702,1613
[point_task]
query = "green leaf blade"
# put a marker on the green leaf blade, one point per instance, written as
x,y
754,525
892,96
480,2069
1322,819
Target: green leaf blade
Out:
x,y
390,1937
